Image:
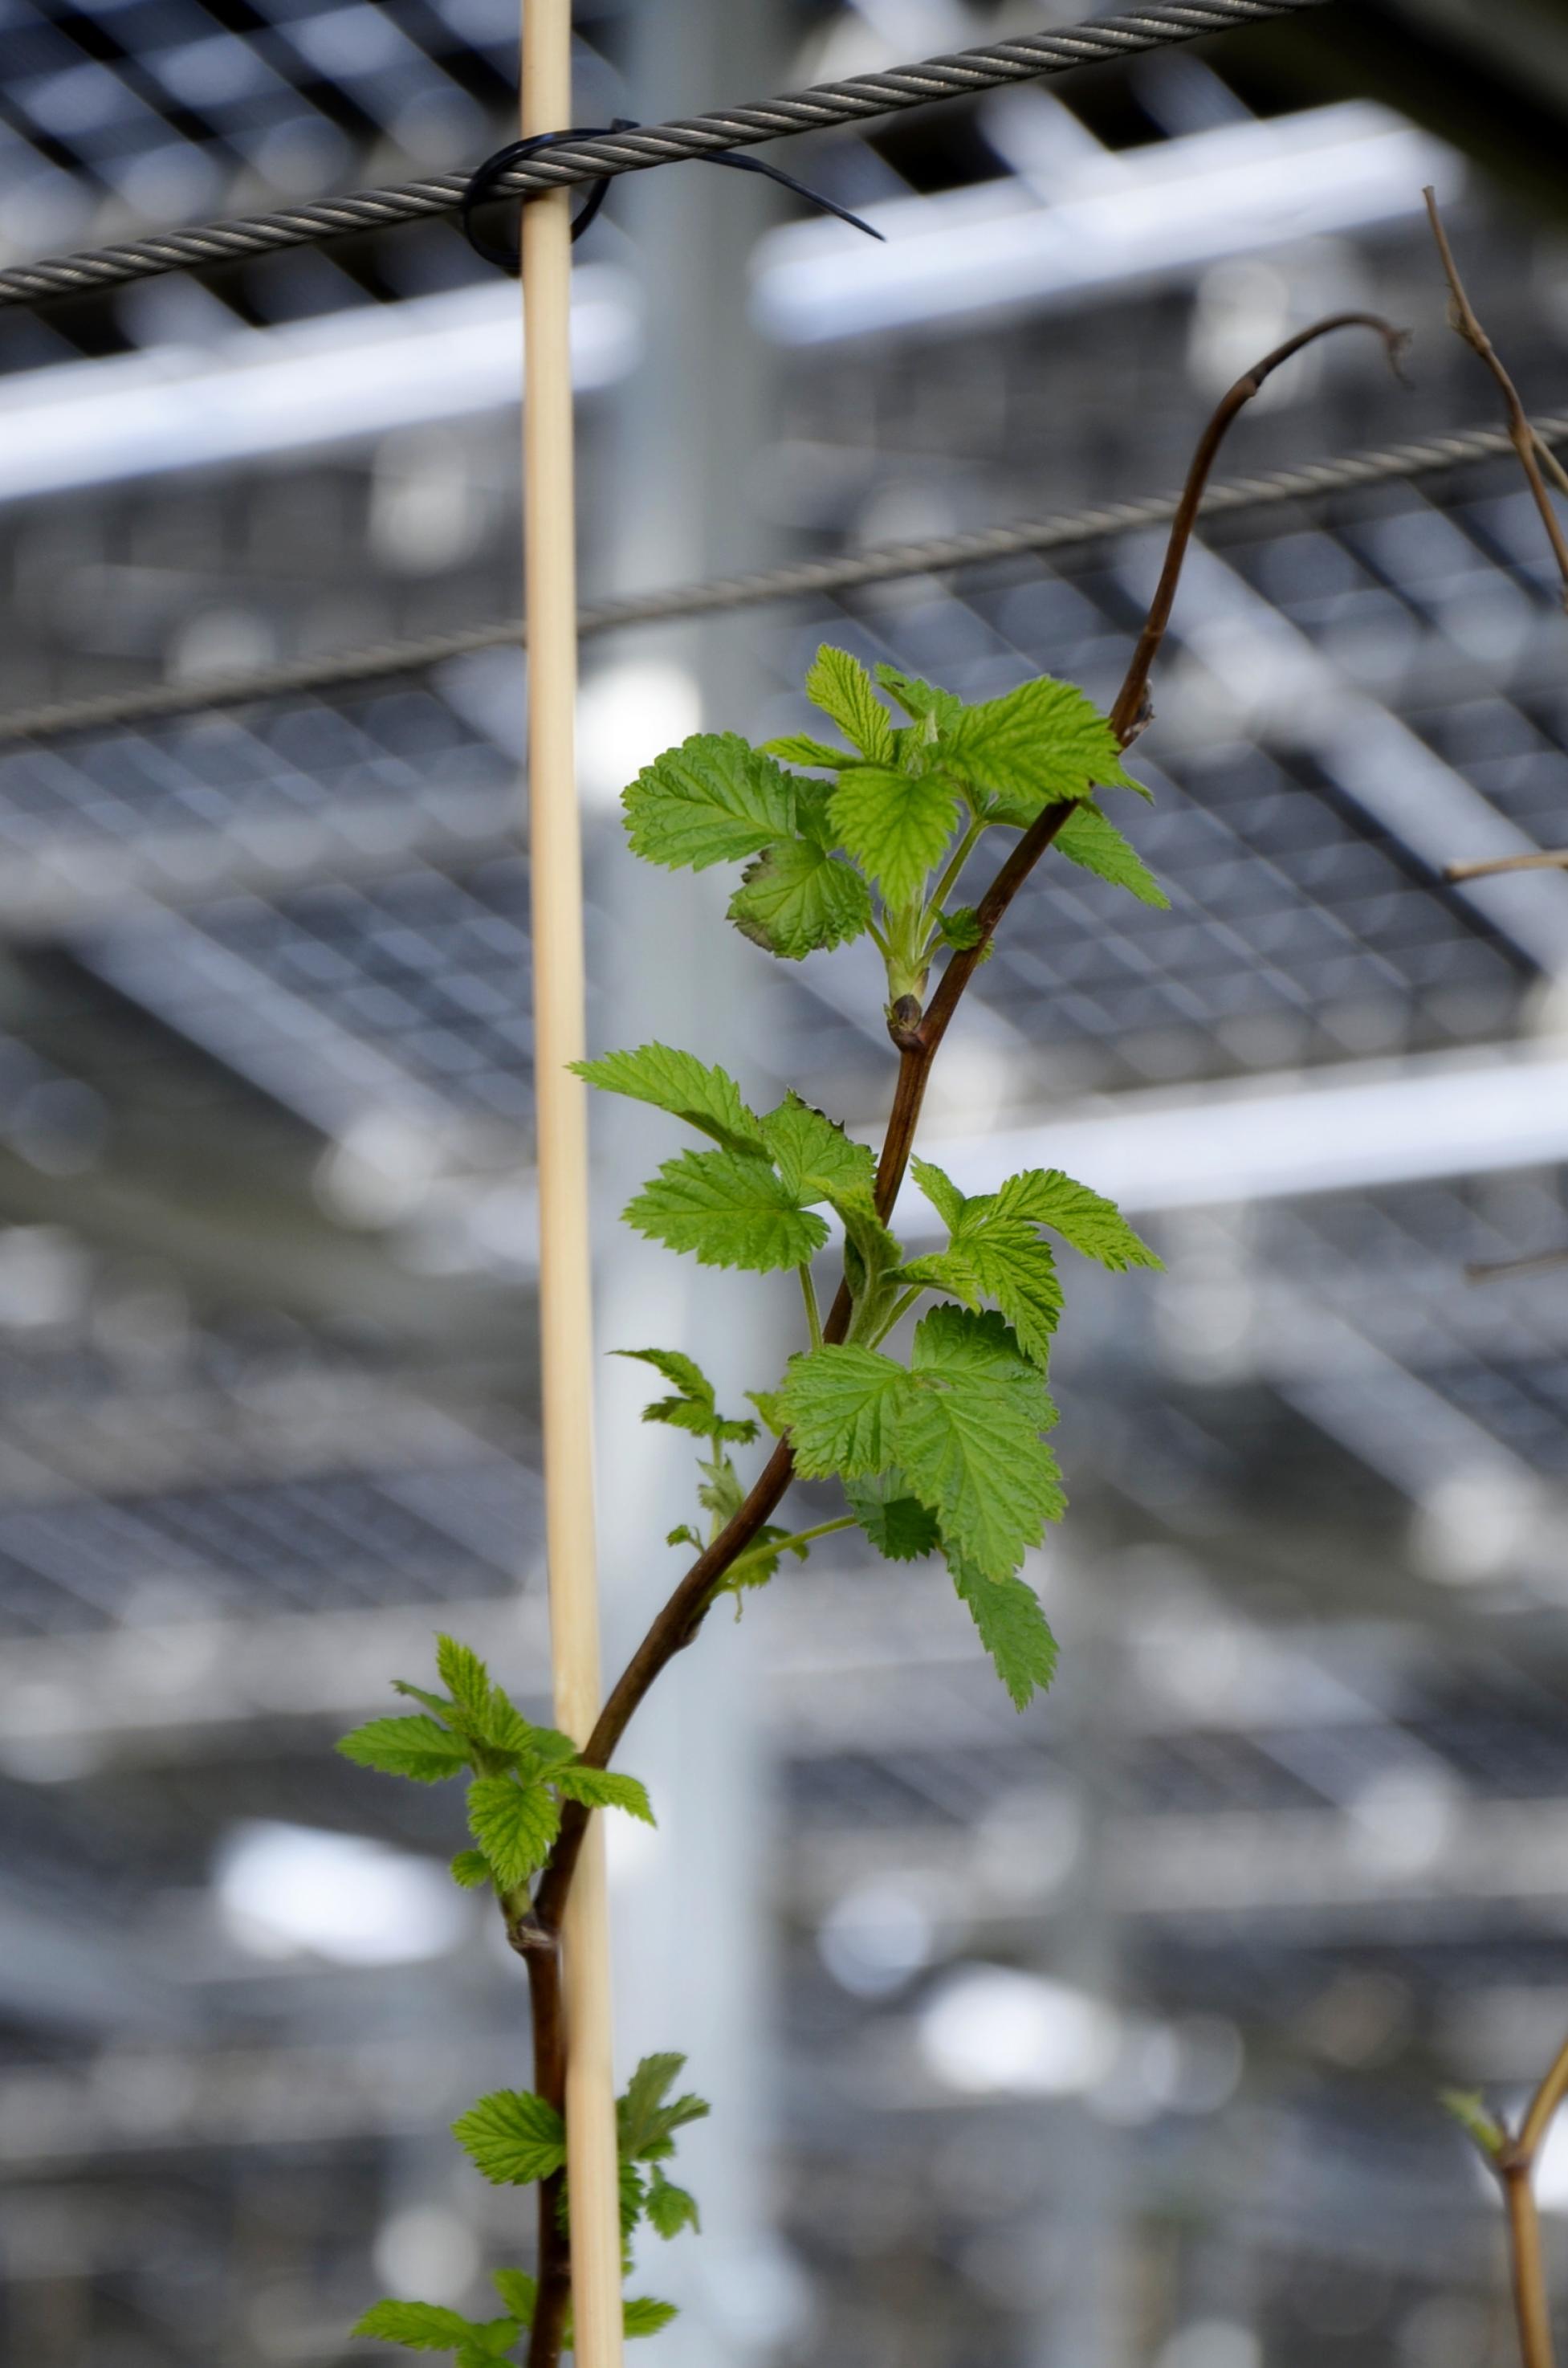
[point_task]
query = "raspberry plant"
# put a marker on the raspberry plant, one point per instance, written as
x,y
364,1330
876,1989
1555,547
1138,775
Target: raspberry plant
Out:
x,y
921,1389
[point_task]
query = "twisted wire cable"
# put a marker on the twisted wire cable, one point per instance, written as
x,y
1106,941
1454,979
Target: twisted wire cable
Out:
x,y
822,107
799,580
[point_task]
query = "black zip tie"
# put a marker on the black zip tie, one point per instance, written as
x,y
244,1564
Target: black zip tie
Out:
x,y
481,188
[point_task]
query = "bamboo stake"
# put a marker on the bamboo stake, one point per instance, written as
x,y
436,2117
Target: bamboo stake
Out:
x,y
565,1295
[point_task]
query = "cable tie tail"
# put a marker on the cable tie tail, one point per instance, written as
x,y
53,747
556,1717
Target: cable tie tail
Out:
x,y
482,189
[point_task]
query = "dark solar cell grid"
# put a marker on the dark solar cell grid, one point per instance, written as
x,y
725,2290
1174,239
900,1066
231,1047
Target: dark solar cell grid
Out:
x,y
344,1542
432,971
220,773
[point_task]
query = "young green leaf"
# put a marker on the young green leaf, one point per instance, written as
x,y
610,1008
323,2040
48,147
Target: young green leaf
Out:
x,y
800,748
713,799
840,686
1003,1260
814,1154
464,1675
798,899
842,1407
519,2292
719,1491
727,1210
471,1868
960,927
438,1703
425,2327
1042,742
683,1534
941,1191
756,1566
1086,837
670,2208
515,1825
707,1099
406,1746
1087,1219
1012,1628
643,2314
897,1523
646,2115
513,2137
896,826
921,700
603,1788
693,1408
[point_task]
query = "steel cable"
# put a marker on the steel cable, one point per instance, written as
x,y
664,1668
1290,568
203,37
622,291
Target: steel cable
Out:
x,y
800,579
822,107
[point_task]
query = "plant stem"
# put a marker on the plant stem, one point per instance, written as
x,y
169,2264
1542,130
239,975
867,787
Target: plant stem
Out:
x,y
800,1538
1514,2161
901,1307
809,1291
949,880
1545,858
1521,435
917,1038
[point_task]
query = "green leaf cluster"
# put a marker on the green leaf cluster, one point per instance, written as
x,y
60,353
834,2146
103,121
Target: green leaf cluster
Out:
x,y
480,2343
879,848
519,1773
514,2138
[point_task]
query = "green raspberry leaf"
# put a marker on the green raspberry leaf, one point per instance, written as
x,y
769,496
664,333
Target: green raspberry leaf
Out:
x,y
438,1703
464,1675
1087,838
515,1825
684,1535
707,1099
471,1869
643,2314
1029,748
798,899
921,700
968,1437
692,1408
519,2292
842,1407
422,2326
941,1191
898,1524
800,748
960,928
1087,1219
513,2137
814,1154
946,1340
406,1746
896,826
713,799
720,1492
603,1788
840,686
727,1210
1011,1627
647,2117
670,2208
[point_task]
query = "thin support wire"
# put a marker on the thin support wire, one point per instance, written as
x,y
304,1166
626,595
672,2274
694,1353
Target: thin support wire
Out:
x,y
803,579
823,108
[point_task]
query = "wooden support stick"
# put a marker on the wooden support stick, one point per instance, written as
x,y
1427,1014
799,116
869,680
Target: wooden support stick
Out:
x,y
565,1294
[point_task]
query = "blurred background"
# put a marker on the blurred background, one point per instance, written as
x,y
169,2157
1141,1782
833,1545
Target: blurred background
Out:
x,y
1104,2037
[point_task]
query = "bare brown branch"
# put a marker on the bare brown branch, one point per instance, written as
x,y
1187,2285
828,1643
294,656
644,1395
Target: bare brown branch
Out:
x,y
1525,440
